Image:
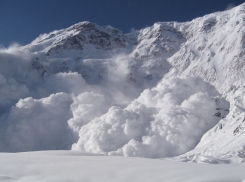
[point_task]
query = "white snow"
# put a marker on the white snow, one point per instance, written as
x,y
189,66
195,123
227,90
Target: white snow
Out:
x,y
54,166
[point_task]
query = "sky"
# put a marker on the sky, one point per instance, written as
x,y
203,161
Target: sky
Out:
x,y
23,20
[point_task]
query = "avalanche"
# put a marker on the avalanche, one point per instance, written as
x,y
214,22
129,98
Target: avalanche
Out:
x,y
170,90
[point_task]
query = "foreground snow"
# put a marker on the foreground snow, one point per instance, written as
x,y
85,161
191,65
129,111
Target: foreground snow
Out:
x,y
77,166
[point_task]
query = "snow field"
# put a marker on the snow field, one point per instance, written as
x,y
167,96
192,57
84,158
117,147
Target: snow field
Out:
x,y
54,166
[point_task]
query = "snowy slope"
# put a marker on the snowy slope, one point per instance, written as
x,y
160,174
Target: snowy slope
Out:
x,y
226,140
87,47
214,49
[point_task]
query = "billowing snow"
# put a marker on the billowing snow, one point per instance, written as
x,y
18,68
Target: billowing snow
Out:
x,y
164,121
38,124
56,111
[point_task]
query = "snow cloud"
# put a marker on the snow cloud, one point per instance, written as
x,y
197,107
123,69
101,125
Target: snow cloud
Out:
x,y
38,124
165,121
13,71
46,112
102,113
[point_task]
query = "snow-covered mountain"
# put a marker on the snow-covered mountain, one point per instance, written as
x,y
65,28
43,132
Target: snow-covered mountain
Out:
x,y
87,48
155,92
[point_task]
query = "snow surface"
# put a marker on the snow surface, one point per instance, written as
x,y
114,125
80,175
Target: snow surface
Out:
x,y
52,166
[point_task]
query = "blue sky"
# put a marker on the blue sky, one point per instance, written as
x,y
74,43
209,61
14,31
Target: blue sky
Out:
x,y
23,20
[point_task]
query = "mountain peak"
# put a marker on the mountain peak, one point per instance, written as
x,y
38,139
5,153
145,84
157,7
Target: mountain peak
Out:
x,y
82,25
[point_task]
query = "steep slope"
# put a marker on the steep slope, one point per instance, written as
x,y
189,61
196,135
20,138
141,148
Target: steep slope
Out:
x,y
211,47
227,139
214,50
90,49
